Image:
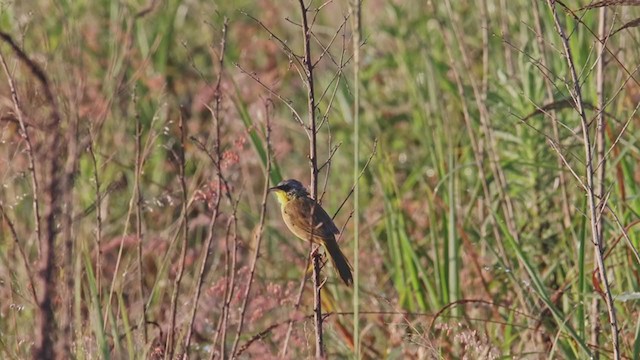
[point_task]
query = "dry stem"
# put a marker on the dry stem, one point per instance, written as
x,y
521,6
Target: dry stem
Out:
x,y
591,196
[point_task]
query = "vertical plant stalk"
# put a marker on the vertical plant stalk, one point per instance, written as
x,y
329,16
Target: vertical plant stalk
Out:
x,y
594,214
32,171
96,178
311,100
491,149
601,161
504,28
138,195
357,35
296,306
125,230
216,206
313,159
200,280
229,286
53,188
258,239
23,255
170,348
566,209
481,148
30,154
230,260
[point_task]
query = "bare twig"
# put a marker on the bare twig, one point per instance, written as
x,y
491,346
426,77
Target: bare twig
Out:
x,y
296,306
624,230
601,175
316,260
325,49
23,255
54,189
356,9
257,241
216,206
611,53
355,182
566,209
478,149
494,161
139,235
554,146
169,348
286,102
203,265
313,160
96,179
32,165
148,144
230,276
331,154
262,334
591,196
283,44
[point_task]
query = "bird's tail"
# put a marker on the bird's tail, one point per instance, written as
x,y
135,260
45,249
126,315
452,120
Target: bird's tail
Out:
x,y
340,262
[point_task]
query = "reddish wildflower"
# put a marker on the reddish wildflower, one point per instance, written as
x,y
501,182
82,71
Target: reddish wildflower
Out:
x,y
208,193
239,143
229,158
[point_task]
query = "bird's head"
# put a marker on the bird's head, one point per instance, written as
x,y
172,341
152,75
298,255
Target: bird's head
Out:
x,y
289,189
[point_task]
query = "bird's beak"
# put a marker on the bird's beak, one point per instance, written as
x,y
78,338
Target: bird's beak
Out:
x,y
273,188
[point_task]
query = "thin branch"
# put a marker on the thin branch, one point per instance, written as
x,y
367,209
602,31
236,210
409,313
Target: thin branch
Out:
x,y
139,235
282,43
221,329
313,160
364,168
257,241
601,168
96,180
609,51
591,196
549,84
296,306
331,154
149,141
477,145
325,49
356,10
216,206
23,255
169,348
54,189
286,102
30,153
625,235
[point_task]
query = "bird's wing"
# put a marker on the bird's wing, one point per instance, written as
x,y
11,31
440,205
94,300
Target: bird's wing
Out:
x,y
299,211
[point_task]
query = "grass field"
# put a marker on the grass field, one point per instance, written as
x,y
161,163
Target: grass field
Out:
x,y
494,145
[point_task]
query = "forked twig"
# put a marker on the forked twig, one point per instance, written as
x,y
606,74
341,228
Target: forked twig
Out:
x,y
24,133
55,188
364,168
591,196
258,239
170,346
214,216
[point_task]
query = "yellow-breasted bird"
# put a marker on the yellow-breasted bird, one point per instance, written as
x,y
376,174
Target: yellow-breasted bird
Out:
x,y
298,209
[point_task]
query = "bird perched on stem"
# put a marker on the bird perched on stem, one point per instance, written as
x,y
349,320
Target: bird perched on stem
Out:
x,y
298,211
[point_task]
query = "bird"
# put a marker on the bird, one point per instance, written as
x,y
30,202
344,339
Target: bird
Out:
x,y
297,209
